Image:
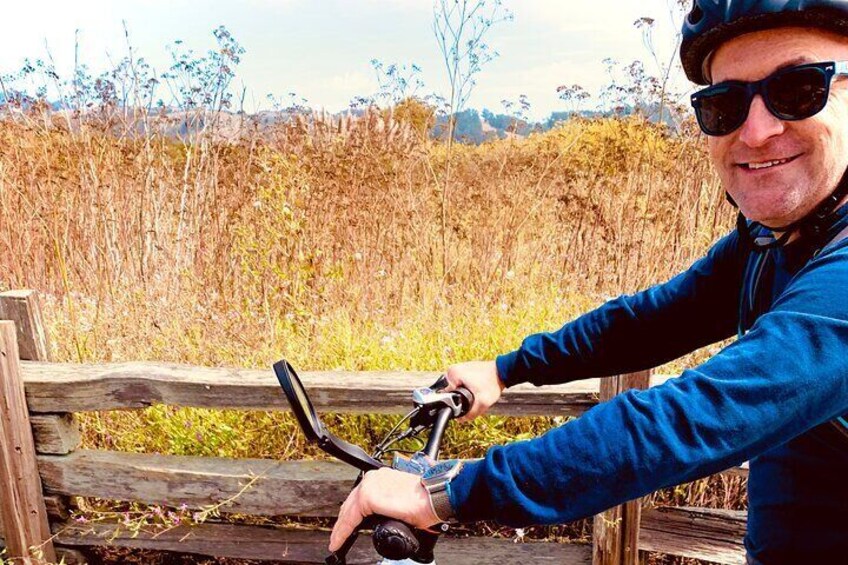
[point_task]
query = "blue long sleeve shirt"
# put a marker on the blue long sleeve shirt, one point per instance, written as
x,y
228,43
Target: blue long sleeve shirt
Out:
x,y
768,397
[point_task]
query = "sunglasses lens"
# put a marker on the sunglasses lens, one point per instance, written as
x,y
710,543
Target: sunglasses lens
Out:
x,y
798,94
722,109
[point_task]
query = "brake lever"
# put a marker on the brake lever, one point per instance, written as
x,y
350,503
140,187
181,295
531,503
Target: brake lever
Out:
x,y
429,403
441,383
467,395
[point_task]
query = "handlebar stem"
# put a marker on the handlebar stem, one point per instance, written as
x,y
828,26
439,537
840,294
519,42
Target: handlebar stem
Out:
x,y
434,442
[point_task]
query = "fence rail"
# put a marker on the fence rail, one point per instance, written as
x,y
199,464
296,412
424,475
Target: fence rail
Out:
x,y
55,391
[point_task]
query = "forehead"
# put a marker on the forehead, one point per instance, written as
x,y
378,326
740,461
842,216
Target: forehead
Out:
x,y
756,55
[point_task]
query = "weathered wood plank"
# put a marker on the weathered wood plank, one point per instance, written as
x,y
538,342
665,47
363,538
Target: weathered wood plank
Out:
x,y
317,488
62,387
308,488
615,532
24,308
58,507
70,556
21,502
55,434
304,546
697,533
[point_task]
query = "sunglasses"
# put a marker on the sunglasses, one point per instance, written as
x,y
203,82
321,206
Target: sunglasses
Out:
x,y
794,93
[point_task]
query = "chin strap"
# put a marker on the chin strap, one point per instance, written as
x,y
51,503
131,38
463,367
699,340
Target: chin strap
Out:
x,y
812,226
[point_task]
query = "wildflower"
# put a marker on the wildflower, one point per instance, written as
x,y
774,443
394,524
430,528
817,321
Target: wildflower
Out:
x,y
519,535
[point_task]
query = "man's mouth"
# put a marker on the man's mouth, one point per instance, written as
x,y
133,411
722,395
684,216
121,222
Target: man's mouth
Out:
x,y
760,165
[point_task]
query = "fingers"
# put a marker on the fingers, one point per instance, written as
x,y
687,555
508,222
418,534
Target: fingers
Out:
x,y
476,410
350,516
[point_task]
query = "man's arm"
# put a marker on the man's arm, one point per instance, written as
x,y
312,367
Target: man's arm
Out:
x,y
786,376
640,331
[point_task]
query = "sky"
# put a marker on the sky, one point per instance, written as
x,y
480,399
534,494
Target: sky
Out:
x,y
321,49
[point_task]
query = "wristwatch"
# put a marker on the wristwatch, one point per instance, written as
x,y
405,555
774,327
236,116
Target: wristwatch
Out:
x,y
436,481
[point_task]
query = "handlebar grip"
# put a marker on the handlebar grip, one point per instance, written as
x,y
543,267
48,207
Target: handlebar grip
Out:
x,y
395,540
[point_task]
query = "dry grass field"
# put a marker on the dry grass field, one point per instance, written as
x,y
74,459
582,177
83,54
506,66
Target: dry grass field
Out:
x,y
338,243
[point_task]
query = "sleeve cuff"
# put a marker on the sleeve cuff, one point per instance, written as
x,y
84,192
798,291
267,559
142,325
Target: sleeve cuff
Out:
x,y
506,367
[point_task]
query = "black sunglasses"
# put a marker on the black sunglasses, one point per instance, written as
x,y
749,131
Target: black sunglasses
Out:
x,y
794,93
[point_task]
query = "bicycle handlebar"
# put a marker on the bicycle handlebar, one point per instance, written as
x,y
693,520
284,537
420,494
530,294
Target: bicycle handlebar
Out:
x,y
433,410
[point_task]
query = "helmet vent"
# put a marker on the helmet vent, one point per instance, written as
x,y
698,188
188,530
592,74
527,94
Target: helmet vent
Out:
x,y
696,15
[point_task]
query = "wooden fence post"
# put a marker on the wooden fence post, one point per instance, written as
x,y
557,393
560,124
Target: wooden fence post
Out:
x,y
55,434
24,308
615,532
26,530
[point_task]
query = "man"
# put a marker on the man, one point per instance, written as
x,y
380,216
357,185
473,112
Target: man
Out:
x,y
777,121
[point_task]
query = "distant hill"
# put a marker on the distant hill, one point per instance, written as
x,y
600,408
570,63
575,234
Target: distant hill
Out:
x,y
471,127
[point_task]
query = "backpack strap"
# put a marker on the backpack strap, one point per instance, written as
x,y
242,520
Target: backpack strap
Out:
x,y
750,291
836,239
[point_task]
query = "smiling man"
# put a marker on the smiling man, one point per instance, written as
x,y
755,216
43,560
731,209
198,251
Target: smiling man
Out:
x,y
776,113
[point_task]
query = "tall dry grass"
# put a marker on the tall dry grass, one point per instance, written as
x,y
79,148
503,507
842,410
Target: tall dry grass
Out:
x,y
278,232
320,240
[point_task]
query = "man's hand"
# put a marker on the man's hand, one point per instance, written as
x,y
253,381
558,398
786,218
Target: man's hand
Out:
x,y
388,492
481,378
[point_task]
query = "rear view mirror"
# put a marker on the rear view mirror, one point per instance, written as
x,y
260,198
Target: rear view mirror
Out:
x,y
312,426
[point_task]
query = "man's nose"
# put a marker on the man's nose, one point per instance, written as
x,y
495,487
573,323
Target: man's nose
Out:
x,y
760,125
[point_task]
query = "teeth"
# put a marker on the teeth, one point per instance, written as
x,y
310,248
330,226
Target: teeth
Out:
x,y
766,164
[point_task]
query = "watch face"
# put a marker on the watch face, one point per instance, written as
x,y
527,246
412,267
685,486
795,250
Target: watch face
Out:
x,y
441,468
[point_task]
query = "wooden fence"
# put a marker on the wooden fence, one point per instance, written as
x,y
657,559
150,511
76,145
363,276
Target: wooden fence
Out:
x,y
42,465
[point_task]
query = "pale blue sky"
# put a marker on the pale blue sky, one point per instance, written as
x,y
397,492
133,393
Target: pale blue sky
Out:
x,y
321,48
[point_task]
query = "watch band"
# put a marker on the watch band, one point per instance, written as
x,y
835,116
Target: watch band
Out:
x,y
436,481
440,500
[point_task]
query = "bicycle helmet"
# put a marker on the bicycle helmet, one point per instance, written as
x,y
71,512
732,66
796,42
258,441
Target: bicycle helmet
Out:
x,y
712,22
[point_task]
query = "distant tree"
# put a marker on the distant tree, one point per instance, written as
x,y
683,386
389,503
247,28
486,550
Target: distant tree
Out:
x,y
555,118
468,126
498,121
